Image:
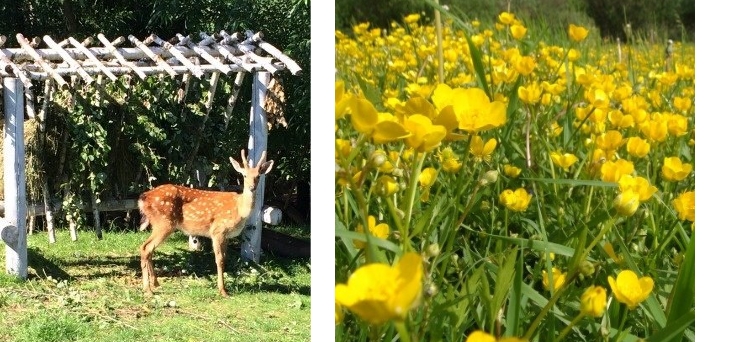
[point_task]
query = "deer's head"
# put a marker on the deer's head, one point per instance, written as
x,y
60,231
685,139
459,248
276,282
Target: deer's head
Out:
x,y
251,174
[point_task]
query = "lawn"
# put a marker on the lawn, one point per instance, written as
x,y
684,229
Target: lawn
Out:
x,y
90,290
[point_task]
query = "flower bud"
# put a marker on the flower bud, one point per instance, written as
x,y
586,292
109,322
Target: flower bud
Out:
x,y
386,186
587,268
378,158
491,176
593,301
433,250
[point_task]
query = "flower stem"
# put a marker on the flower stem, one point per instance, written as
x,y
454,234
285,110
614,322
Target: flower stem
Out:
x,y
570,326
598,237
549,305
411,198
403,331
623,313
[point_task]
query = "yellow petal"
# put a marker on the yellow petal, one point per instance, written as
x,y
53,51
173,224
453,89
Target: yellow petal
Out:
x,y
364,116
387,131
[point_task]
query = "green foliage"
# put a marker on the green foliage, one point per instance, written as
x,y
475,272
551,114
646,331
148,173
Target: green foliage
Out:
x,y
46,326
379,13
668,18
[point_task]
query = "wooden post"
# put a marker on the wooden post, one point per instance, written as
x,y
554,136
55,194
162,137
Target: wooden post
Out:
x,y
13,227
251,249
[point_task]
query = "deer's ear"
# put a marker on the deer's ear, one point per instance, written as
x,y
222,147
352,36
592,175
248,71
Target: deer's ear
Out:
x,y
266,167
237,165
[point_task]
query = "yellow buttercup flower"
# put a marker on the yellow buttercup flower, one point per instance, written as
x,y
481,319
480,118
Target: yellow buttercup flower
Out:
x,y
506,18
593,301
525,65
608,248
610,141
637,147
515,200
426,179
530,94
511,171
386,186
627,202
565,160
674,170
412,18
558,279
684,204
341,99
640,185
378,293
655,129
629,289
339,315
573,55
611,171
481,336
682,104
555,129
475,112
381,230
481,150
443,96
382,128
342,148
449,160
425,136
577,33
677,125
518,31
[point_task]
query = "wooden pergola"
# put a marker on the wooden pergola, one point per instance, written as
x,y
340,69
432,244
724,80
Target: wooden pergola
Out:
x,y
182,56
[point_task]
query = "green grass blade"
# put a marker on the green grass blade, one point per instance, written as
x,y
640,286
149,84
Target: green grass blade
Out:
x,y
673,332
573,182
343,233
682,299
538,245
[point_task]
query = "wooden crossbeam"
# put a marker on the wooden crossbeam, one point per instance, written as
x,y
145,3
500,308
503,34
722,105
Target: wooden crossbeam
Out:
x,y
92,58
222,49
70,60
25,45
155,57
202,51
194,69
224,53
111,47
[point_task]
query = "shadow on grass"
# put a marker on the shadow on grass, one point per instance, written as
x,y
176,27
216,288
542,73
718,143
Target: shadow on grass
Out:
x,y
273,274
45,267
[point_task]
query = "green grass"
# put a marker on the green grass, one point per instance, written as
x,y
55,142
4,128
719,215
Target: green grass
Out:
x,y
90,290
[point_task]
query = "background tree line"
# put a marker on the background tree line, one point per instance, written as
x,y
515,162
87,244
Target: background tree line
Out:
x,y
673,19
96,147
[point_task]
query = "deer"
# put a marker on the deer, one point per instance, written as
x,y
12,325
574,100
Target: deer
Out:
x,y
217,215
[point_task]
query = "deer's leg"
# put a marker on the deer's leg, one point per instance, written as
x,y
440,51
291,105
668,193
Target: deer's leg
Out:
x,y
160,232
219,249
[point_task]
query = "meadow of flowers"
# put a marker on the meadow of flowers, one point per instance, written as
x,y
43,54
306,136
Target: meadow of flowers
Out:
x,y
504,183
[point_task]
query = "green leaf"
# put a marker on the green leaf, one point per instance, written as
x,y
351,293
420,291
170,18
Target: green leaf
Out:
x,y
513,310
682,299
